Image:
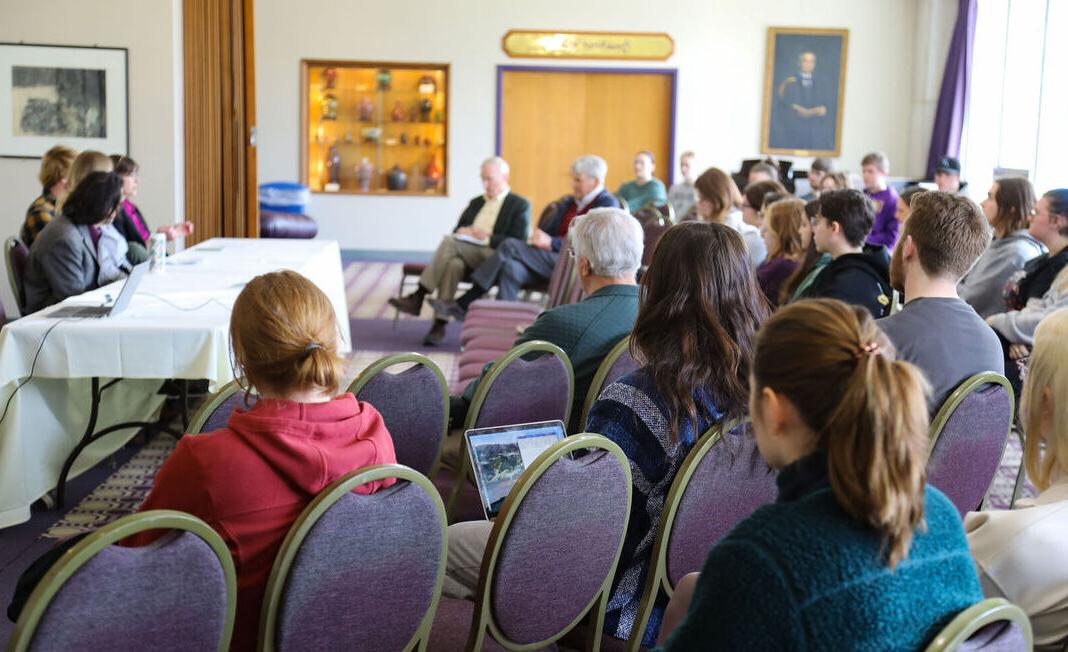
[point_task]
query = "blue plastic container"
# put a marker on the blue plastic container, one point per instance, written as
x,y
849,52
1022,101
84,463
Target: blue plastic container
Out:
x,y
284,196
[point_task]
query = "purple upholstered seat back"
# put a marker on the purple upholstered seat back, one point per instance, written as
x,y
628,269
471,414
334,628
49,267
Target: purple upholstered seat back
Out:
x,y
560,281
623,365
653,230
527,391
967,453
170,595
20,256
365,575
999,636
221,414
560,547
729,484
412,405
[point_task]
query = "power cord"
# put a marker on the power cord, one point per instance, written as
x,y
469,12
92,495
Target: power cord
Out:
x,y
183,308
33,365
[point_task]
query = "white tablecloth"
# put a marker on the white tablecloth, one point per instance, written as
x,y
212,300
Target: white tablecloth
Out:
x,y
177,326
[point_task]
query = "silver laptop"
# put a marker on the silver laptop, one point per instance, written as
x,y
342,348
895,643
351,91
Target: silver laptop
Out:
x,y
500,455
129,288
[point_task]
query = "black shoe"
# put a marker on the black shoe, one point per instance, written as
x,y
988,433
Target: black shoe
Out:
x,y
448,309
436,334
411,304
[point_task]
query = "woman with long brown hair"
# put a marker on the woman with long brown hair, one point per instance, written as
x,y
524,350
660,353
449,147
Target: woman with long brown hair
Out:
x,y
693,338
787,233
858,553
719,201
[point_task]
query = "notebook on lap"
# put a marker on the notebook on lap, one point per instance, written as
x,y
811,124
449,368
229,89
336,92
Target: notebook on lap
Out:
x,y
499,456
129,288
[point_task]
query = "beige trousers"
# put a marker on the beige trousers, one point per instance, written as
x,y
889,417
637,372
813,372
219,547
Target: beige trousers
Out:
x,y
467,545
451,261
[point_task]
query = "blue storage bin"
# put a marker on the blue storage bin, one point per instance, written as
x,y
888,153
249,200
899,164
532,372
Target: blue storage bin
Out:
x,y
284,196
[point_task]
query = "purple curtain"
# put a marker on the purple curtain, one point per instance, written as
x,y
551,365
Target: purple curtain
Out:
x,y
953,98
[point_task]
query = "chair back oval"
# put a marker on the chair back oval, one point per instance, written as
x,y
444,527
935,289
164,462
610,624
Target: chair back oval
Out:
x,y
216,410
359,571
522,388
16,256
968,437
652,231
993,624
414,405
561,280
616,364
554,547
179,592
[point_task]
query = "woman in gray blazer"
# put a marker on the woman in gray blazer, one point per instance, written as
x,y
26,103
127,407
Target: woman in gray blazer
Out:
x,y
63,259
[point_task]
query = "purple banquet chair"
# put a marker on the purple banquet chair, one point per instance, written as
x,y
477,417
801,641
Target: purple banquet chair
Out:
x,y
968,436
518,388
359,572
177,593
414,405
616,364
16,256
216,410
551,555
992,625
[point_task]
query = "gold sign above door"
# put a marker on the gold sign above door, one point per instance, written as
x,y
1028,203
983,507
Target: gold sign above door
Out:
x,y
588,45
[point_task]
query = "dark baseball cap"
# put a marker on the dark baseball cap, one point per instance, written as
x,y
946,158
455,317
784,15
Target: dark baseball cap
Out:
x,y
948,164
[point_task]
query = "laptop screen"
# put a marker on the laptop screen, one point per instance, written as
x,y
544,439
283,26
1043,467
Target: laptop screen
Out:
x,y
500,455
129,288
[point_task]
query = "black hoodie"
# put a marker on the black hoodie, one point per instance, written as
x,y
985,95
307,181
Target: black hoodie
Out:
x,y
861,279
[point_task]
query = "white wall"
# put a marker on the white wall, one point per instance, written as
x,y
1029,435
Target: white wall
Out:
x,y
720,54
151,29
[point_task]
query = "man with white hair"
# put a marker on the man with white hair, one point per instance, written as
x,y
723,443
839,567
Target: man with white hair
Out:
x,y
517,263
607,245
489,220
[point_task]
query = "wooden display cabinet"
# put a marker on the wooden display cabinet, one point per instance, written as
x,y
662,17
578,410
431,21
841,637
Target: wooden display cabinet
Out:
x,y
362,123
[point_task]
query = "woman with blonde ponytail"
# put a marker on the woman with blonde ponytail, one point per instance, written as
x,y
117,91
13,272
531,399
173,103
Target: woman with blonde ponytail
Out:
x,y
858,553
251,479
1021,553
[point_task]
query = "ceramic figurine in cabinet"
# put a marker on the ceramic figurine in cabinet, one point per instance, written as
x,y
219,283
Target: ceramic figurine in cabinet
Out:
x,y
365,109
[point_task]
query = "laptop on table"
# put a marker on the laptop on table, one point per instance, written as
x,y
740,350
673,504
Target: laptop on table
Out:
x,y
499,456
129,288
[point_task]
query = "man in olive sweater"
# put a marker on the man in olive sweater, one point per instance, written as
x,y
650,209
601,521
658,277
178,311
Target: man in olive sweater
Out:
x,y
486,222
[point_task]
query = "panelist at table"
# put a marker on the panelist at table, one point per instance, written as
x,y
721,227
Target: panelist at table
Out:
x,y
488,221
518,263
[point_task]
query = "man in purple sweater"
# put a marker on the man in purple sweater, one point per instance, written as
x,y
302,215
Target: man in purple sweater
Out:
x,y
874,168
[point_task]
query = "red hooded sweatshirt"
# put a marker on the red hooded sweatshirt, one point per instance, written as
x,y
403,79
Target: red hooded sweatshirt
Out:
x,y
251,480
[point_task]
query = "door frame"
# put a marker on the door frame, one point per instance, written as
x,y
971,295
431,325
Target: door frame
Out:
x,y
673,73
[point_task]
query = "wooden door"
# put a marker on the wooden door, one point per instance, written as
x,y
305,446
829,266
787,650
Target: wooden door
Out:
x,y
550,117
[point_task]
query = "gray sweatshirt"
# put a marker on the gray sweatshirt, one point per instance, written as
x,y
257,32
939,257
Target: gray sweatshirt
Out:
x,y
1018,326
982,287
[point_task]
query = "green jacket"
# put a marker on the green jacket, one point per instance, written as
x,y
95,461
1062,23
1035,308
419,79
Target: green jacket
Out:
x,y
586,331
512,222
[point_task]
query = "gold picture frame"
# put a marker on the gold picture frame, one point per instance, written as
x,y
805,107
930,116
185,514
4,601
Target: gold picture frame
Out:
x,y
802,113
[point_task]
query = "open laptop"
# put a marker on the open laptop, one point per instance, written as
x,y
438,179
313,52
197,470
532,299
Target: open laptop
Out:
x,y
129,288
500,455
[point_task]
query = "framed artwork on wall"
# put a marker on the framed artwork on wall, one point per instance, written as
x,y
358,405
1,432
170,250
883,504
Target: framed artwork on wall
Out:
x,y
804,87
69,95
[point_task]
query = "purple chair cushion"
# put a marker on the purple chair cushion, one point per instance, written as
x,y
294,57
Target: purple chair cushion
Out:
x,y
413,408
20,256
503,328
413,269
493,342
527,391
275,224
968,451
221,414
729,484
171,592
364,576
623,365
1001,636
560,547
503,306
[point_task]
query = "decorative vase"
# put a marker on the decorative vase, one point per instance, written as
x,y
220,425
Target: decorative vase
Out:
x,y
329,78
333,167
398,112
364,172
415,177
396,179
425,107
433,175
427,85
365,109
329,107
384,78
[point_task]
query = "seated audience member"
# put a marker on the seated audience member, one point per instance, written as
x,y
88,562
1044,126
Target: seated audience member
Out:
x,y
63,260
874,168
947,177
1021,553
111,247
607,245
904,203
835,181
858,553
754,197
787,233
811,265
251,480
487,222
1043,289
718,200
856,274
762,171
130,223
54,177
1009,205
820,168
693,338
936,330
517,263
644,189
681,194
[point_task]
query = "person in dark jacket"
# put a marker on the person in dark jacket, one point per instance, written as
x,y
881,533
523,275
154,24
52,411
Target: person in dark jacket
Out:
x,y
488,221
856,274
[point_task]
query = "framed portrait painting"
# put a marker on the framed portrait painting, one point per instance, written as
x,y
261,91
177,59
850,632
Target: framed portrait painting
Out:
x,y
52,95
804,85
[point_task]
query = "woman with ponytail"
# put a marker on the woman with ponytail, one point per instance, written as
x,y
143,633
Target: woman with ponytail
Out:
x,y
250,480
858,553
